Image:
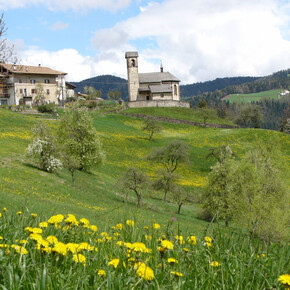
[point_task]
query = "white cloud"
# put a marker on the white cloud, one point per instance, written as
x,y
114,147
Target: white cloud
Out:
x,y
59,26
204,39
77,5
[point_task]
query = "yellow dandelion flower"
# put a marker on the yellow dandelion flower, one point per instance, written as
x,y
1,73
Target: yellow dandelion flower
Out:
x,y
191,240
4,209
79,258
71,220
0,214
176,274
285,280
138,247
215,264
34,215
161,250
208,239
19,249
145,272
130,223
166,244
52,239
60,248
180,239
43,225
35,237
84,222
172,261
185,250
148,237
72,247
119,226
114,263
156,226
56,219
19,213
93,228
102,273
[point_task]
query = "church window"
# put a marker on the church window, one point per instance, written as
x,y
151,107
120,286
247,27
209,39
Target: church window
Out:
x,y
133,62
175,90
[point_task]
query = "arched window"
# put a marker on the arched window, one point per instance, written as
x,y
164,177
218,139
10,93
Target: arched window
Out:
x,y
133,62
175,90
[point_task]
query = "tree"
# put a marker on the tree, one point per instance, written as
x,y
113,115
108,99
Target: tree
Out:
x,y
79,138
170,156
221,153
92,93
166,182
70,162
43,149
136,181
114,95
250,115
40,95
259,196
180,196
6,52
151,126
216,195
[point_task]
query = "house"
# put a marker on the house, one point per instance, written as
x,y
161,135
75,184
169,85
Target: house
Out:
x,y
155,89
20,84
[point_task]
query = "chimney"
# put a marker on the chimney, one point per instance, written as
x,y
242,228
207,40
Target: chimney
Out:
x,y
161,67
39,64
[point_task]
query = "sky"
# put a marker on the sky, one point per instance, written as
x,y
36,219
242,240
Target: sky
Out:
x,y
196,40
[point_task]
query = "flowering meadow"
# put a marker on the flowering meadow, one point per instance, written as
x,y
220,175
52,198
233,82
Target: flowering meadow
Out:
x,y
66,252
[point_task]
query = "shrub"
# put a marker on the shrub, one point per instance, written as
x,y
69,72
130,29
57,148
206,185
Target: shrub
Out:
x,y
48,108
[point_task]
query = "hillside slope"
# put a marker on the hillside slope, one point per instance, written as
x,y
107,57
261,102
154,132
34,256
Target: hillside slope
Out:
x,y
95,195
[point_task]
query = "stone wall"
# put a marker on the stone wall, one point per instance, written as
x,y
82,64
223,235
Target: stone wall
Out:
x,y
159,103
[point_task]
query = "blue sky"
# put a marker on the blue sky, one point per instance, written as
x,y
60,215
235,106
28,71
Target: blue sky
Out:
x,y
196,40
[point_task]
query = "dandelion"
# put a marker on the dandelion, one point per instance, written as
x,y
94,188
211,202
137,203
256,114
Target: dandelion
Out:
x,y
166,244
119,226
0,214
130,223
176,274
19,213
56,219
4,209
52,239
145,272
93,228
34,215
285,280
60,248
84,222
102,273
114,263
179,239
79,258
185,250
191,240
172,261
19,249
156,226
71,220
215,264
43,225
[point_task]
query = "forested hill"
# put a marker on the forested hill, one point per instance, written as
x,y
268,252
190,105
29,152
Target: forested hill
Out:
x,y
211,86
105,84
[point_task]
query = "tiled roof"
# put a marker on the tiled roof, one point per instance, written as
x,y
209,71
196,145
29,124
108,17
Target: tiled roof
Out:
x,y
157,77
27,69
131,54
160,89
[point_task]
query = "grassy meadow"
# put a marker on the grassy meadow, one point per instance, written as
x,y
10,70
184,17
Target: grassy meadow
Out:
x,y
247,98
95,196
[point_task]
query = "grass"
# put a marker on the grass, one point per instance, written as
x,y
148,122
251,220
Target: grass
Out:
x,y
95,196
179,113
247,98
61,252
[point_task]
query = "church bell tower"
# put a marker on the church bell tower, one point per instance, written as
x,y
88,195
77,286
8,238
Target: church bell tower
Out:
x,y
133,76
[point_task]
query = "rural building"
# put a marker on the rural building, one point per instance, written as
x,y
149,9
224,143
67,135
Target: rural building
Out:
x,y
19,84
156,89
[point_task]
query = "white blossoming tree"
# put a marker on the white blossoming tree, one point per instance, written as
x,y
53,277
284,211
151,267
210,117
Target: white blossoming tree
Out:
x,y
42,149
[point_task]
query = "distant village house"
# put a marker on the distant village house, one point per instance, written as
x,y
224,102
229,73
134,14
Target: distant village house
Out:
x,y
19,83
155,89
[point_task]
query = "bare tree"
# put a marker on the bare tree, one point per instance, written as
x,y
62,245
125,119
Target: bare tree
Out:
x,y
6,51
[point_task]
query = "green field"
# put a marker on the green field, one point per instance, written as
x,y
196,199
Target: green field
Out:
x,y
94,194
232,260
179,113
246,98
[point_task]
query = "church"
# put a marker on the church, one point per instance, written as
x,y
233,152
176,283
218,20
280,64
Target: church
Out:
x,y
155,89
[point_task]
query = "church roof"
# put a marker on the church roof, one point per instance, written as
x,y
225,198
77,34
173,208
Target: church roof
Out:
x,y
157,77
160,89
131,54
